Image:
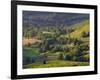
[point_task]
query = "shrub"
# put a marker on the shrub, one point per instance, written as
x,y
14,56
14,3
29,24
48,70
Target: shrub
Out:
x,y
68,56
86,57
85,34
60,56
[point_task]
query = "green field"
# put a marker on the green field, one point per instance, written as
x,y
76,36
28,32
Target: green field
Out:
x,y
56,63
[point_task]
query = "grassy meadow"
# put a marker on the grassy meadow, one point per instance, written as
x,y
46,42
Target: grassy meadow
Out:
x,y
56,63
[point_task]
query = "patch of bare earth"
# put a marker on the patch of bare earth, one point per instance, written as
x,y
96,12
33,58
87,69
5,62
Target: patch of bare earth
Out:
x,y
33,40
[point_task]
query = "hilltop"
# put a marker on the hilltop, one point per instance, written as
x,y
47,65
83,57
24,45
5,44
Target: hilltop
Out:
x,y
42,19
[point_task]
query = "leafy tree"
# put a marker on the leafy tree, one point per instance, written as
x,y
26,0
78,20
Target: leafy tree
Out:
x,y
60,57
85,34
68,56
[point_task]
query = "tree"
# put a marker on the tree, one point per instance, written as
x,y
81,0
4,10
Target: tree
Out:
x,y
85,34
43,57
62,40
60,57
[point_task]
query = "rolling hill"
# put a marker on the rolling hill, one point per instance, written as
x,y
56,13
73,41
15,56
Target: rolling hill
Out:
x,y
79,28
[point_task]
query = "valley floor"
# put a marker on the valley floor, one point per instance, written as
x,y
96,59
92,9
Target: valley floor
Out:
x,y
56,63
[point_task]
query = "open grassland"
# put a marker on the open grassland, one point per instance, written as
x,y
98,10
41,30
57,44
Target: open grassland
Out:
x,y
56,63
79,28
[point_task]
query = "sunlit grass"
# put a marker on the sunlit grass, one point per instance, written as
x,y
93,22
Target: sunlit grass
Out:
x,y
56,63
79,28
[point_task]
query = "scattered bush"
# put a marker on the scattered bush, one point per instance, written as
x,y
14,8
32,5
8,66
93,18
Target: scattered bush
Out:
x,y
85,34
60,56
